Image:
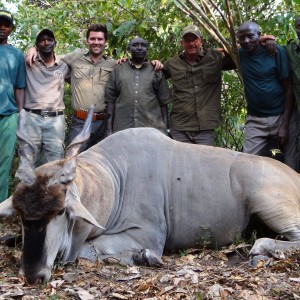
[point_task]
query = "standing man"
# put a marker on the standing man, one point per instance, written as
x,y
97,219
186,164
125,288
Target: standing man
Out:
x,y
293,51
12,84
270,101
196,79
136,94
44,106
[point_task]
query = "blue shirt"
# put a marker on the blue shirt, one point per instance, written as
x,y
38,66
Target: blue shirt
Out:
x,y
12,75
262,74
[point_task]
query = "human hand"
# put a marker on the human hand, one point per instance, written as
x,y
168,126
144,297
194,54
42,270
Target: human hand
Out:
x,y
30,56
157,65
122,60
269,41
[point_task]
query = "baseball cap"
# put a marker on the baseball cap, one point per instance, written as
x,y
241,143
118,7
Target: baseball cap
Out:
x,y
7,15
191,29
45,32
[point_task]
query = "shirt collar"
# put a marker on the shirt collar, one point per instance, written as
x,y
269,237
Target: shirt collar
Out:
x,y
40,60
133,66
88,56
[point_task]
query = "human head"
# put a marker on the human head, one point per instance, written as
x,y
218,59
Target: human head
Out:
x,y
45,42
248,36
6,25
138,48
191,40
96,38
297,23
97,28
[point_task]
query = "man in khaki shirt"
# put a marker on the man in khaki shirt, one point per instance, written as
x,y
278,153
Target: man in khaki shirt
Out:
x,y
89,73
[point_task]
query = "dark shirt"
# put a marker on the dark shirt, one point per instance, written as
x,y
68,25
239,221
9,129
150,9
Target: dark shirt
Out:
x,y
138,95
196,90
262,74
293,51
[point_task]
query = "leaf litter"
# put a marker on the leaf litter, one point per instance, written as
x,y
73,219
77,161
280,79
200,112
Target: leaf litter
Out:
x,y
190,274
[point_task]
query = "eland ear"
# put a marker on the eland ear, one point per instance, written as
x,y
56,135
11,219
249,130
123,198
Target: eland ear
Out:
x,y
73,200
6,208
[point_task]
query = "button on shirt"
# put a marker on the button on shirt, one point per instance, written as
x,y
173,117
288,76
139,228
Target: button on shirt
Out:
x,y
196,91
138,95
88,80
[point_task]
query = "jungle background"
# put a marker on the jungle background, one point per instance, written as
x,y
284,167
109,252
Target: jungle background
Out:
x,y
190,274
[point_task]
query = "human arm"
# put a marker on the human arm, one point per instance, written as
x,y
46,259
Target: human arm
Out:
x,y
20,98
111,95
289,105
164,114
110,108
30,56
269,41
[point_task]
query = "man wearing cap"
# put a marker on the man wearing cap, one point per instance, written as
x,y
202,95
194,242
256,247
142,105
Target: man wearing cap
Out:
x,y
196,80
12,84
44,106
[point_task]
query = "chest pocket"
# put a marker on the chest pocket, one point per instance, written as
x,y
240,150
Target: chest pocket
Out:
x,y
211,75
82,72
104,74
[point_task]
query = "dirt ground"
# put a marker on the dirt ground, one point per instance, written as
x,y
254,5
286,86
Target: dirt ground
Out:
x,y
189,274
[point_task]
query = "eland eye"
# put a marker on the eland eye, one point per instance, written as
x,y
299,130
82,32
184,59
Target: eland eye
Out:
x,y
62,211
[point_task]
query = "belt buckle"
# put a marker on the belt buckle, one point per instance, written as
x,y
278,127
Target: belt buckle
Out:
x,y
45,113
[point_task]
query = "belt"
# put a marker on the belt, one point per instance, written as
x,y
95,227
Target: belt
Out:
x,y
82,115
45,113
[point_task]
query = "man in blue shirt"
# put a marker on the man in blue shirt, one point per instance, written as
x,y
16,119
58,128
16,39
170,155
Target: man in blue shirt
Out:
x,y
12,84
270,101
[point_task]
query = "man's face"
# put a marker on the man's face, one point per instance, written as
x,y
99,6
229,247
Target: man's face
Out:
x,y
298,27
5,29
248,37
191,43
96,42
45,44
138,48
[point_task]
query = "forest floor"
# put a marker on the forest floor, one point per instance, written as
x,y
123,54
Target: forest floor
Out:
x,y
189,274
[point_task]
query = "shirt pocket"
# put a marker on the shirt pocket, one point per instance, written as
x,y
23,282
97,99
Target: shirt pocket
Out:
x,y
104,74
211,75
82,72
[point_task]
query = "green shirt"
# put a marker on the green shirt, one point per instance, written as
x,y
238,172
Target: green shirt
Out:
x,y
138,95
88,80
196,91
293,51
12,76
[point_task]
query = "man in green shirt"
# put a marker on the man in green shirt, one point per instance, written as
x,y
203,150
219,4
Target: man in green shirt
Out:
x,y
136,94
196,79
293,51
12,84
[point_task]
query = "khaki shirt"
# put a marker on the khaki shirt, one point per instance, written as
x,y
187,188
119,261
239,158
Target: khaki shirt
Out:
x,y
196,91
138,95
88,80
45,85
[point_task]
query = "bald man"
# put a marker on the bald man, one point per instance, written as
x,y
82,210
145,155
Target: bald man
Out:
x,y
270,102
